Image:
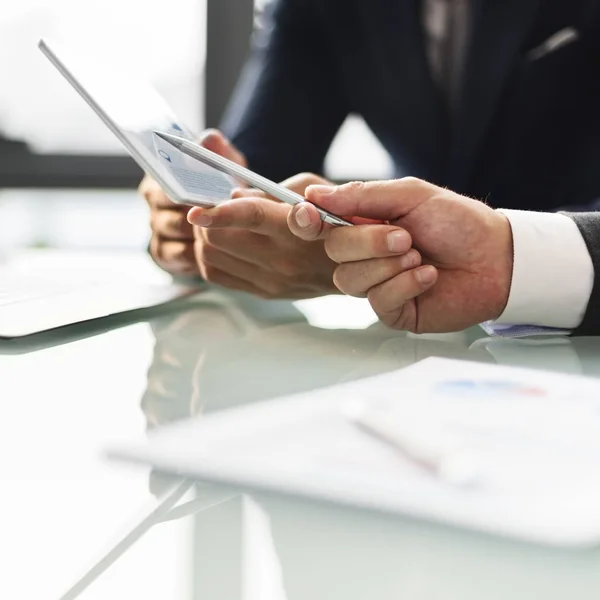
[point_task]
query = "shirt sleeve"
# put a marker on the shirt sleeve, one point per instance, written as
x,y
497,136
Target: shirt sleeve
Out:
x,y
553,274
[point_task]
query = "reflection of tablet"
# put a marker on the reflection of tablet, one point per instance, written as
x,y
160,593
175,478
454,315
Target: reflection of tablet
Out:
x,y
133,110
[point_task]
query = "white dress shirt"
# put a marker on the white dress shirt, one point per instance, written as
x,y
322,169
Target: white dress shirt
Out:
x,y
553,273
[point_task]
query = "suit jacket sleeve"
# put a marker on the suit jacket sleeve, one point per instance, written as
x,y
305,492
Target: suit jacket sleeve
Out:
x,y
589,226
288,104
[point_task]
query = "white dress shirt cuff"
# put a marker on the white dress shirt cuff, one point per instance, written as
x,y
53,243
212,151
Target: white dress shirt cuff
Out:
x,y
553,274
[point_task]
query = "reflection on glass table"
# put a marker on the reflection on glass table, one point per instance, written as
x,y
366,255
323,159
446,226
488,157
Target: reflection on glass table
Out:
x,y
228,351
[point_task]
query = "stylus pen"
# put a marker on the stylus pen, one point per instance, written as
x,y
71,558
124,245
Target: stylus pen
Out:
x,y
428,452
266,185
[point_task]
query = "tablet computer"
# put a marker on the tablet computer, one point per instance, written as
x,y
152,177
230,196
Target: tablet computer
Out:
x,y
133,110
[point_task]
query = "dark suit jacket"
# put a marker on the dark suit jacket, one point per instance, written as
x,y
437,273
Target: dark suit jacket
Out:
x,y
589,226
526,133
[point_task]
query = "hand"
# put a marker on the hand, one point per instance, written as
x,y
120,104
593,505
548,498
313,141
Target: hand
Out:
x,y
245,244
172,241
465,247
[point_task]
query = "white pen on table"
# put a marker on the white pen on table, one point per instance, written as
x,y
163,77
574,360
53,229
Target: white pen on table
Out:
x,y
447,462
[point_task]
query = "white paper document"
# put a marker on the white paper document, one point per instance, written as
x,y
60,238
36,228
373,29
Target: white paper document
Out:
x,y
534,437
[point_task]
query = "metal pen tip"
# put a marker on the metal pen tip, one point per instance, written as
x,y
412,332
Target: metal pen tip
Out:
x,y
172,139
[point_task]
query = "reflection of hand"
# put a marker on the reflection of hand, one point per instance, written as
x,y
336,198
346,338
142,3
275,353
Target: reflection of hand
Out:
x,y
172,241
293,358
181,342
246,245
465,245
402,351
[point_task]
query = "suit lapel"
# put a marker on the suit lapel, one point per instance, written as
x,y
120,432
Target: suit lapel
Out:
x,y
497,33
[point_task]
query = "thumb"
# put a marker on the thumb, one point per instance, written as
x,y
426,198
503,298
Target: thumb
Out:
x,y
305,222
215,141
381,200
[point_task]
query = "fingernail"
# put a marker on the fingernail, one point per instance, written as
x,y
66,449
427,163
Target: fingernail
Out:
x,y
397,241
322,190
412,259
302,218
425,276
203,220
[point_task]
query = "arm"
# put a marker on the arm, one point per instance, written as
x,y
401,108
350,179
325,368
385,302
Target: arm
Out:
x,y
288,104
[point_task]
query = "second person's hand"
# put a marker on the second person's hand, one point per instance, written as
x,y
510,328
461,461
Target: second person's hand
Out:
x,y
465,247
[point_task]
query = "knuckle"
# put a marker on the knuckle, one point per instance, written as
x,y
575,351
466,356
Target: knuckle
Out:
x,y
151,192
388,320
155,248
180,252
154,221
177,221
343,280
403,321
416,183
307,178
412,181
378,301
289,268
331,248
145,184
298,183
256,214
355,186
393,322
208,132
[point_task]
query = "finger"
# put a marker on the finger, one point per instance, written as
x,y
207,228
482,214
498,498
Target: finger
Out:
x,y
215,141
246,245
171,224
304,222
174,256
384,200
216,276
254,214
211,260
388,296
248,193
361,242
357,278
298,183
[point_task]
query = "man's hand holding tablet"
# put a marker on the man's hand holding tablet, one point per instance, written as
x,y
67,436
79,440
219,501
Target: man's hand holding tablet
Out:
x,y
172,240
244,244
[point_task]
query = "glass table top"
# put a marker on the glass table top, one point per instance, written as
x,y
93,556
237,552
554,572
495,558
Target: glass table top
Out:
x,y
71,518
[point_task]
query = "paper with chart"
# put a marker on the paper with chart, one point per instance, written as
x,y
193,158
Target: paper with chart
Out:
x,y
535,435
